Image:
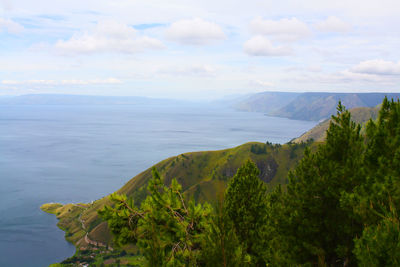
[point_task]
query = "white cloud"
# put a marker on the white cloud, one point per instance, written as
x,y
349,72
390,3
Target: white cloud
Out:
x,y
108,36
344,77
281,30
263,84
374,35
377,67
6,4
202,70
62,82
309,68
10,26
261,46
32,82
333,24
347,75
195,32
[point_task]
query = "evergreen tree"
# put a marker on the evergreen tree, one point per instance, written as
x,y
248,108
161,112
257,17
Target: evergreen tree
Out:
x,y
379,244
314,225
382,162
378,199
167,230
245,206
221,246
279,246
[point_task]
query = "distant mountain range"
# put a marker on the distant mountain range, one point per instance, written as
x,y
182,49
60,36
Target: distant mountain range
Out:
x,y
61,99
308,106
267,102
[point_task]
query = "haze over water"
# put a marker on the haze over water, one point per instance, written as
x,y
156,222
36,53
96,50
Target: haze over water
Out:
x,y
76,154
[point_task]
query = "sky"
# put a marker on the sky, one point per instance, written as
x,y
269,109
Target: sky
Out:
x,y
198,49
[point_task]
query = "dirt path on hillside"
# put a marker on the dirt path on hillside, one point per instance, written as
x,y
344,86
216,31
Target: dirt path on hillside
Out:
x,y
87,238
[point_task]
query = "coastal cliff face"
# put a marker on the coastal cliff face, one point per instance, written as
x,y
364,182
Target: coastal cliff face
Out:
x,y
203,176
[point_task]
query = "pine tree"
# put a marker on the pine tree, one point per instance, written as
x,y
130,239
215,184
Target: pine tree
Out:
x,y
382,161
379,244
316,227
378,199
221,246
167,230
245,206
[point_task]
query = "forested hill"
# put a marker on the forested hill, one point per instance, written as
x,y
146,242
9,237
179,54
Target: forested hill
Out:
x,y
203,176
308,106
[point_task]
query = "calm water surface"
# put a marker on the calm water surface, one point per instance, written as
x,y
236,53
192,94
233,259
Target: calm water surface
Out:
x,y
81,153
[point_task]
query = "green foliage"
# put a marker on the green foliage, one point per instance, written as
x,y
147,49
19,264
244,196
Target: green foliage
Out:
x,y
311,220
221,246
166,229
258,149
122,219
278,249
382,161
378,199
379,244
170,228
245,206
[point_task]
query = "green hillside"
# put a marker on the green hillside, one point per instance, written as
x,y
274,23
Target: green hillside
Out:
x,y
318,133
203,176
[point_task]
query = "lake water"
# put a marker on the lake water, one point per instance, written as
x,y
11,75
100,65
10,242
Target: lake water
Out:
x,y
81,153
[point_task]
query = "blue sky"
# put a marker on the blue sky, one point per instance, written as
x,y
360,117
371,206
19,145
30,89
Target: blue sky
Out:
x,y
198,49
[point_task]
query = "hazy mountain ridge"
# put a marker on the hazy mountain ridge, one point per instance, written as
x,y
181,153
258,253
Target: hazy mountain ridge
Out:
x,y
61,99
309,106
267,102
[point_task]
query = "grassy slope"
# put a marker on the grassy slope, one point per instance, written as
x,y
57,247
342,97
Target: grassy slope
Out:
x,y
68,216
318,133
203,175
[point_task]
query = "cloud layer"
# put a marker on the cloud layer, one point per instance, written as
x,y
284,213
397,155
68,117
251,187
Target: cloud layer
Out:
x,y
195,32
282,30
333,24
185,48
108,36
62,82
261,46
377,67
10,26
